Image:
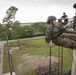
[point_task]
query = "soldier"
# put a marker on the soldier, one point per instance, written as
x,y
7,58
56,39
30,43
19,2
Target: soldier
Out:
x,y
73,72
74,6
60,36
64,19
74,16
74,24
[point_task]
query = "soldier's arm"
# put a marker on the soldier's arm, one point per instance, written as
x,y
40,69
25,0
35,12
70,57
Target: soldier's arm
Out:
x,y
48,34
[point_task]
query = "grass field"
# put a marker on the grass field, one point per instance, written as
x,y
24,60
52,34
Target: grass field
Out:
x,y
34,47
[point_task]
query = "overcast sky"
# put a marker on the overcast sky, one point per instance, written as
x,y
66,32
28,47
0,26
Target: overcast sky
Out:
x,y
37,10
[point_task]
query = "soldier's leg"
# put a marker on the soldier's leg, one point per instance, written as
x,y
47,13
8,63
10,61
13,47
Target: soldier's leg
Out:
x,y
65,42
70,30
74,44
69,36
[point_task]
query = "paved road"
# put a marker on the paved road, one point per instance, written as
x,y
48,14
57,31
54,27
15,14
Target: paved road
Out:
x,y
2,48
28,38
1,57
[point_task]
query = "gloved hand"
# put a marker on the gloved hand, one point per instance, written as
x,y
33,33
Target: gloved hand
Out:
x,y
50,43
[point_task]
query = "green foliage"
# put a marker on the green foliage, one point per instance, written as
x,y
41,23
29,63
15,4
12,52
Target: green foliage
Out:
x,y
1,29
29,31
23,32
16,27
11,12
17,31
42,28
2,32
39,28
10,15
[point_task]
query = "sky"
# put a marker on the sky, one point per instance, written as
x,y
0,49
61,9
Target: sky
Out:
x,y
37,10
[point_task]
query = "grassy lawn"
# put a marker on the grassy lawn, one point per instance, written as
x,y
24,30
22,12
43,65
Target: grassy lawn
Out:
x,y
34,47
5,64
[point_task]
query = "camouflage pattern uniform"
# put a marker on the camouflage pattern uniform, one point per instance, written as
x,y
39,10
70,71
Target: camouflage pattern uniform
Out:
x,y
66,39
51,32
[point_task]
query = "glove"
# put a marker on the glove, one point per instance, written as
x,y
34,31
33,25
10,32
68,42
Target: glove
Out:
x,y
50,44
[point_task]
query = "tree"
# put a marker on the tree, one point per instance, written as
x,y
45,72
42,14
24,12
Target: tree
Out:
x,y
28,31
35,26
2,28
39,28
10,14
42,27
16,27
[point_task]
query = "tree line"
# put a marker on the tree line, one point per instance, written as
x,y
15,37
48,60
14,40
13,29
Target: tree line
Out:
x,y
16,31
11,27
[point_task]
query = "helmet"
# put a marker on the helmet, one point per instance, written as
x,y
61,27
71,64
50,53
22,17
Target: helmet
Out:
x,y
63,12
51,18
74,6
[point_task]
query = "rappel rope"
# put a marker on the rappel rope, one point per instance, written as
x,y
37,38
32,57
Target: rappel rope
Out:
x,y
50,59
58,60
69,52
69,23
61,60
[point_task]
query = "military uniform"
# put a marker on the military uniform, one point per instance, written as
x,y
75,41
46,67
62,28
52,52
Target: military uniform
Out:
x,y
65,19
66,39
51,32
74,24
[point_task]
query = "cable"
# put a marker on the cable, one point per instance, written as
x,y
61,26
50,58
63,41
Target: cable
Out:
x,y
50,62
69,52
61,60
58,60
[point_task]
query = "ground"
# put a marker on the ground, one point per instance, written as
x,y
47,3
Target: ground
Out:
x,y
33,62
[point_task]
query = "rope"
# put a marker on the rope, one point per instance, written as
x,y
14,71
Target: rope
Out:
x,y
59,60
69,52
50,62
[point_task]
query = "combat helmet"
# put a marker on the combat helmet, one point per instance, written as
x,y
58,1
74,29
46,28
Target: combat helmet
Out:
x,y
51,18
74,6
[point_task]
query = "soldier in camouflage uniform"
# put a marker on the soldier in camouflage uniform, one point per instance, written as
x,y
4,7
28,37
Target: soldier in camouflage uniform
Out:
x,y
66,39
74,24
